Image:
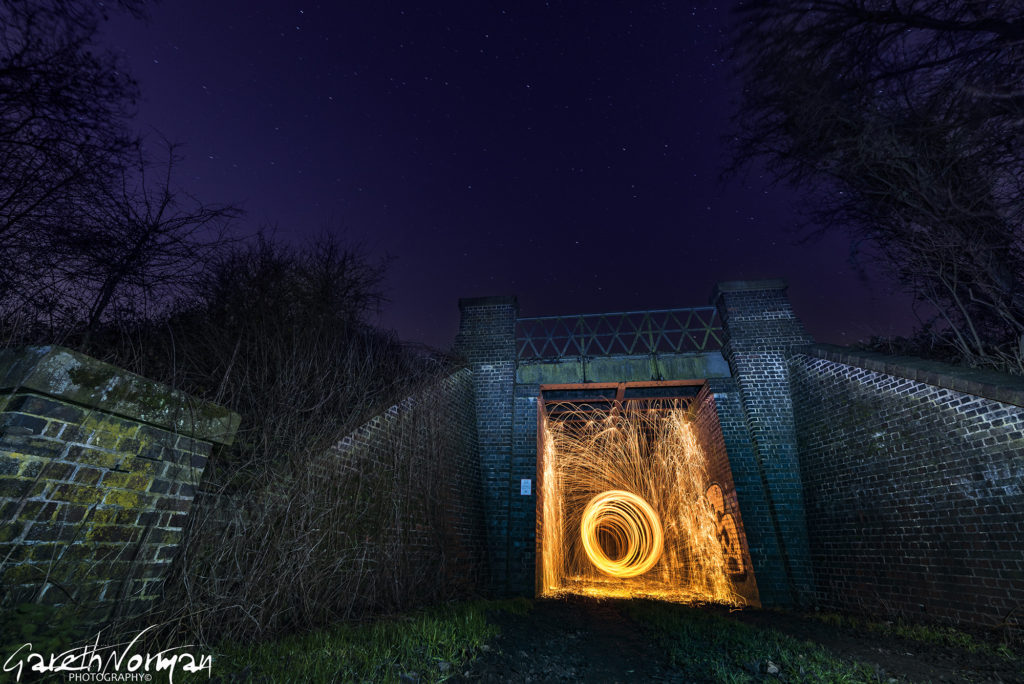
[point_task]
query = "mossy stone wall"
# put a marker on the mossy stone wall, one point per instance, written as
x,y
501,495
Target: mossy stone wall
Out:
x,y
98,469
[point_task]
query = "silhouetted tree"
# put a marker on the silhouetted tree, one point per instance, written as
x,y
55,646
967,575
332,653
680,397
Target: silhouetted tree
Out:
x,y
90,229
904,120
64,105
279,333
142,243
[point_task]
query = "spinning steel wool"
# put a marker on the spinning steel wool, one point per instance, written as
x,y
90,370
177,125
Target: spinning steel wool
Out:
x,y
625,510
626,526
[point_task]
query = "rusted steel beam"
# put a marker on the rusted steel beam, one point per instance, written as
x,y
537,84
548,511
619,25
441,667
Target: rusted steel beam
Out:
x,y
615,385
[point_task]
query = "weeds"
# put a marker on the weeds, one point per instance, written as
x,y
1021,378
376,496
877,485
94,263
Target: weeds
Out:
x,y
289,530
707,647
434,644
935,635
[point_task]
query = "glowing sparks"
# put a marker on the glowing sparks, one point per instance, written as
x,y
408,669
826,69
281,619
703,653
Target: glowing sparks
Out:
x,y
625,525
625,508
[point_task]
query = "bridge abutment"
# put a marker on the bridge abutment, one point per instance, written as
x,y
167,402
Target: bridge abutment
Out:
x,y
487,340
761,332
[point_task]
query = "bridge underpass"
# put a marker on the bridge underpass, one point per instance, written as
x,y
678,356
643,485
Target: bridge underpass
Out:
x,y
636,369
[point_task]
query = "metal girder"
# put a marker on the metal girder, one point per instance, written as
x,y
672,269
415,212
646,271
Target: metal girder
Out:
x,y
621,333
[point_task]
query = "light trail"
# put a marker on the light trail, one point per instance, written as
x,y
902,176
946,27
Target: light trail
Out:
x,y
624,508
631,531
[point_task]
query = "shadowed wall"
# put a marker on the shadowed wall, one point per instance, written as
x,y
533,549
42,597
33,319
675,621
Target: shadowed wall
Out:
x,y
913,475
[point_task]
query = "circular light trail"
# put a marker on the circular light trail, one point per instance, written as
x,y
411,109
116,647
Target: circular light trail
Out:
x,y
629,526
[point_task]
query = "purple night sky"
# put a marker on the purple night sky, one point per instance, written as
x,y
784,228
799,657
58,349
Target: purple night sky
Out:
x,y
567,154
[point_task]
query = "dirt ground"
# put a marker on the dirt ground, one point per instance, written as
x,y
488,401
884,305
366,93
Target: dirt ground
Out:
x,y
906,660
584,640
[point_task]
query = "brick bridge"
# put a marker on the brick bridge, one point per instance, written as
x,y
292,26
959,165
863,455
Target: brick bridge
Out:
x,y
863,482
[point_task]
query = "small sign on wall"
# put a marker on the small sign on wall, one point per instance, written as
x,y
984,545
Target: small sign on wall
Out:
x,y
524,487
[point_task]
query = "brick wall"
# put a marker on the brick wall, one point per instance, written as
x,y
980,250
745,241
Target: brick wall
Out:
x,y
98,468
862,483
419,463
486,338
761,332
913,478
708,431
507,425
523,508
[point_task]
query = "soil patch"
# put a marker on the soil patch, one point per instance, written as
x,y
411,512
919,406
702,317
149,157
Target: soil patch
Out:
x,y
905,659
578,639
571,639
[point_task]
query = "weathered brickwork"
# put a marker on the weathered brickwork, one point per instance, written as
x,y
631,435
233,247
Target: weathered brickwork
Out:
x,y
418,461
708,431
914,491
863,482
761,331
523,507
98,469
507,425
486,339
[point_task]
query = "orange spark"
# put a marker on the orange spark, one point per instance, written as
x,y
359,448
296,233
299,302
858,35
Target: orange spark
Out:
x,y
625,509
634,530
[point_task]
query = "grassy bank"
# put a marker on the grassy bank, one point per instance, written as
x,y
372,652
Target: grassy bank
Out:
x,y
434,644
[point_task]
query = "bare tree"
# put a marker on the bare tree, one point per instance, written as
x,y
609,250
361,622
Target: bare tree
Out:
x,y
323,280
138,244
279,333
142,243
90,229
904,121
64,106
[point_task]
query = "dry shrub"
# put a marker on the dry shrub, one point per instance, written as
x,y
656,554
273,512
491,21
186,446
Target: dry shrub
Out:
x,y
340,533
289,531
286,533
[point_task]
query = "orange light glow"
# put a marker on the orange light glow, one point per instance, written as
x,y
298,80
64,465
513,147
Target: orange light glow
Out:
x,y
631,525
625,508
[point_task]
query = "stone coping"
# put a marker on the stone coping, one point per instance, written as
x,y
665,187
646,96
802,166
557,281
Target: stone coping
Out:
x,y
746,286
73,377
990,384
488,301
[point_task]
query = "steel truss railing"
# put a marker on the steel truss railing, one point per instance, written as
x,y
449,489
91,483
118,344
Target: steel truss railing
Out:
x,y
662,331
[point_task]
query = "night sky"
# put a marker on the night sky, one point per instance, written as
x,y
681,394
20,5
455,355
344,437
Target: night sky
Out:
x,y
566,153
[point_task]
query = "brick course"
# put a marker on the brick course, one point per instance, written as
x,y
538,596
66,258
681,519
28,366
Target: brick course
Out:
x,y
523,508
709,433
98,468
486,339
761,332
914,491
424,450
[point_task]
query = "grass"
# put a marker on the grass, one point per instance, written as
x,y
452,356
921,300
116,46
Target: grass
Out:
x,y
708,647
936,635
433,643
